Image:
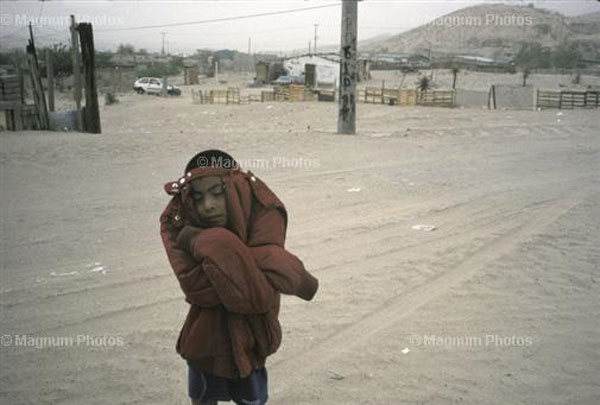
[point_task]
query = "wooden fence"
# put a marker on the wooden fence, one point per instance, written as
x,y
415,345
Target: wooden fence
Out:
x,y
266,96
294,92
436,98
379,95
568,99
229,96
11,101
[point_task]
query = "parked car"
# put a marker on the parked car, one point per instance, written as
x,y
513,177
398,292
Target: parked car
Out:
x,y
154,85
284,80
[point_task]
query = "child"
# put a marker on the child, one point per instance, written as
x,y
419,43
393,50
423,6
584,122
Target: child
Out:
x,y
224,233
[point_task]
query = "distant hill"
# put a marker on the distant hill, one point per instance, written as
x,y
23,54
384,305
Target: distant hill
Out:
x,y
496,31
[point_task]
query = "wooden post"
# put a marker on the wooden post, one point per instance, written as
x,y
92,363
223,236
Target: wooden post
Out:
x,y
76,72
50,79
18,114
347,94
36,81
560,97
334,88
91,112
164,86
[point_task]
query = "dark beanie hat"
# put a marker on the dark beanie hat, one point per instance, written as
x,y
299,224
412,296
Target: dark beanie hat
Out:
x,y
211,158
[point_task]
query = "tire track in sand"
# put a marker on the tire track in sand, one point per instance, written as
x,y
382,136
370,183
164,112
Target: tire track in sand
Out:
x,y
396,308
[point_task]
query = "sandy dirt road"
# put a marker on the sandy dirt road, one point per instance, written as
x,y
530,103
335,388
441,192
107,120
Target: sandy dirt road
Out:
x,y
499,304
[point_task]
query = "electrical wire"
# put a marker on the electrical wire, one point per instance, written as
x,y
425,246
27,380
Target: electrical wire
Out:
x,y
180,24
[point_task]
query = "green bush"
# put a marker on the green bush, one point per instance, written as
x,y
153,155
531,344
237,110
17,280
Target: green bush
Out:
x,y
110,98
62,61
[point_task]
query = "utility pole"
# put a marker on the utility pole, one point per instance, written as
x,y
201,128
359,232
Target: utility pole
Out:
x,y
77,92
347,91
162,52
91,111
315,43
309,47
250,61
430,65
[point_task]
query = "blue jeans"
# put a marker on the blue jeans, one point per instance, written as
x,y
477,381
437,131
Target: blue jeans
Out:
x,y
252,390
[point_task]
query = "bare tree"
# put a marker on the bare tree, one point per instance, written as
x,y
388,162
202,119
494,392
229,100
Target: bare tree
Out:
x,y
455,71
526,73
424,83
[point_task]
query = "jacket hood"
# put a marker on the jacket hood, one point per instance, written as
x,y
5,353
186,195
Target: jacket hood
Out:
x,y
240,187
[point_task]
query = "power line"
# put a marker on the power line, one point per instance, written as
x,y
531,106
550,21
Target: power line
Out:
x,y
238,33
295,10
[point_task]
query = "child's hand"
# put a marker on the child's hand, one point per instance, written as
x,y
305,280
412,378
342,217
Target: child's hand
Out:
x,y
186,235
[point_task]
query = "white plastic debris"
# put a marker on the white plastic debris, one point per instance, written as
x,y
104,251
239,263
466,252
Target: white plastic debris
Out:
x,y
98,269
353,190
426,228
558,114
405,350
269,107
70,273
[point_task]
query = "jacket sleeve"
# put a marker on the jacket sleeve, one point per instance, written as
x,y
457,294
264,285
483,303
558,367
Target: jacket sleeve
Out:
x,y
285,272
241,286
194,282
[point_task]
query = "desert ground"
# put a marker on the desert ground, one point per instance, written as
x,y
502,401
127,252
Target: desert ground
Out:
x,y
498,304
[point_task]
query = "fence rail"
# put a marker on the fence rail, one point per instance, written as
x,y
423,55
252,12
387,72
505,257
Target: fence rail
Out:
x,y
379,95
294,92
567,99
229,96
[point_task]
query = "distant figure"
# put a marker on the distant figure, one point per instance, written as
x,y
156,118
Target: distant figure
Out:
x,y
224,233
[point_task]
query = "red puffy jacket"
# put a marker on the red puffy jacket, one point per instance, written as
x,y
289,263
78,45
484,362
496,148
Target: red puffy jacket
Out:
x,y
233,276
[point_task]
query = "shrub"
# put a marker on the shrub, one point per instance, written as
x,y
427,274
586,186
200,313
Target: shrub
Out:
x,y
110,98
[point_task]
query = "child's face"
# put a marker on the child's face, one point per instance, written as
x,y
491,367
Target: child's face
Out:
x,y
210,201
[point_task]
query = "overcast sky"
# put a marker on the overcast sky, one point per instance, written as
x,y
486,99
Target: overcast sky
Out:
x,y
114,19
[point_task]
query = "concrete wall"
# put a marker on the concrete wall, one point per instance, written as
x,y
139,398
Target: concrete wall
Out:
x,y
326,70
514,97
471,98
511,97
